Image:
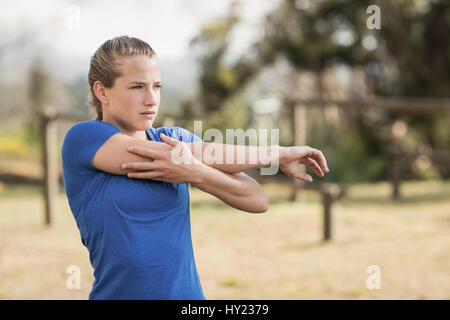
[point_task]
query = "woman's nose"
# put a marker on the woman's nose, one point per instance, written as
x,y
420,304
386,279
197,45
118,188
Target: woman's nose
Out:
x,y
151,98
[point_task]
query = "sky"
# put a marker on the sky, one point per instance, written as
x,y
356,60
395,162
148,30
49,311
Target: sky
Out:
x,y
73,30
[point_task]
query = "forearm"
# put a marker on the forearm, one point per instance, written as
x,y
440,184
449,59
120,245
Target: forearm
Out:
x,y
235,158
237,190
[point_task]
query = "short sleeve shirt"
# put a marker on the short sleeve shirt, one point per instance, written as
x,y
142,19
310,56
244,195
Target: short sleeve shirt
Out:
x,y
137,231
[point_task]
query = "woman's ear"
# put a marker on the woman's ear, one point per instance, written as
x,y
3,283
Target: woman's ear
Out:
x,y
100,92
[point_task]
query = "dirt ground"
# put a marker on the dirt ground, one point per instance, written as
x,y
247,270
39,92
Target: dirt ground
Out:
x,y
275,255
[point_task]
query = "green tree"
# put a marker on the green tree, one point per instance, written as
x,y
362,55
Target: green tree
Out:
x,y
410,56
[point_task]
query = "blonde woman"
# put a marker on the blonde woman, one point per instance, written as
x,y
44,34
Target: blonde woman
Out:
x,y
135,220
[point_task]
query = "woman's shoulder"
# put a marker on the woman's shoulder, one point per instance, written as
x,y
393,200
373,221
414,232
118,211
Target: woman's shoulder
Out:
x,y
88,132
91,124
90,128
178,133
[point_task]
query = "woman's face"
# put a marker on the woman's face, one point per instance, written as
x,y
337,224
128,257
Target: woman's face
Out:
x,y
133,101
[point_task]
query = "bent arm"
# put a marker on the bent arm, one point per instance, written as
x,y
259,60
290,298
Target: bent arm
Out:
x,y
237,190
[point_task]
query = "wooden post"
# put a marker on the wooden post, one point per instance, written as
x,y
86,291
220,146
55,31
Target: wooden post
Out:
x,y
395,174
327,202
49,162
330,193
299,121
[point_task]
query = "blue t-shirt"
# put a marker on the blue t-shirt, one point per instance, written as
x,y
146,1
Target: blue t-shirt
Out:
x,y
137,231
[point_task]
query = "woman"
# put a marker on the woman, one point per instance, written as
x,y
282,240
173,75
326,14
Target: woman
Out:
x,y
137,228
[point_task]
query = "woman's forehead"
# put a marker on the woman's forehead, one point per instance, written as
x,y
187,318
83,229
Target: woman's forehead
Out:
x,y
141,67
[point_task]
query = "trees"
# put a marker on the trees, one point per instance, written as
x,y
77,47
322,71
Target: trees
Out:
x,y
408,56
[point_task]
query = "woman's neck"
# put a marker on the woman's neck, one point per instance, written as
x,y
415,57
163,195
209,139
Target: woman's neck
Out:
x,y
141,135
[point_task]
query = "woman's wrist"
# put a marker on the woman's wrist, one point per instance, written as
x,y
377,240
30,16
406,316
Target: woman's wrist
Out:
x,y
277,153
283,152
197,173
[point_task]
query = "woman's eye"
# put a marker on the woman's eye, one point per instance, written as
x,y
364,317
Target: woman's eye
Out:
x,y
140,87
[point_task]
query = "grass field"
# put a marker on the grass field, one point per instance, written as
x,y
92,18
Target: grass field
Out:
x,y
275,255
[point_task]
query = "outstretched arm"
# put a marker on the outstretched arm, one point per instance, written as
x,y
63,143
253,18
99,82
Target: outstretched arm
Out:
x,y
235,158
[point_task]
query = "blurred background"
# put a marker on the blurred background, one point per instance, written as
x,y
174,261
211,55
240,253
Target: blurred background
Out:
x,y
366,82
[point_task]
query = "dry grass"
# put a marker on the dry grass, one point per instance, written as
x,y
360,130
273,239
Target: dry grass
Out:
x,y
275,255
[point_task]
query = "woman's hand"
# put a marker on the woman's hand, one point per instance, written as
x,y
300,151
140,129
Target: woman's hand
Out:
x,y
291,157
175,166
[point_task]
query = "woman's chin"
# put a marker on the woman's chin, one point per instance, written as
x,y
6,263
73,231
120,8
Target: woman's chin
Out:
x,y
146,125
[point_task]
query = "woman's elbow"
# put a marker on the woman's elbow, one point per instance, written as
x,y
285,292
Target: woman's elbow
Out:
x,y
255,199
261,204
265,204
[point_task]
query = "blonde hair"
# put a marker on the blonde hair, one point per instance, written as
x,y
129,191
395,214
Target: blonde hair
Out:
x,y
105,66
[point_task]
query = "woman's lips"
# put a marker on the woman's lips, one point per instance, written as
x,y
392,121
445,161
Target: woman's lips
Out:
x,y
149,114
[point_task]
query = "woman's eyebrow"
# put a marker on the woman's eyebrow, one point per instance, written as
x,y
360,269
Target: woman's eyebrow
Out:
x,y
142,82
138,82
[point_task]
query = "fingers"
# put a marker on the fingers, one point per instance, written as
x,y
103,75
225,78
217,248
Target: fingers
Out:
x,y
319,157
145,175
314,166
304,176
146,152
141,165
170,141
